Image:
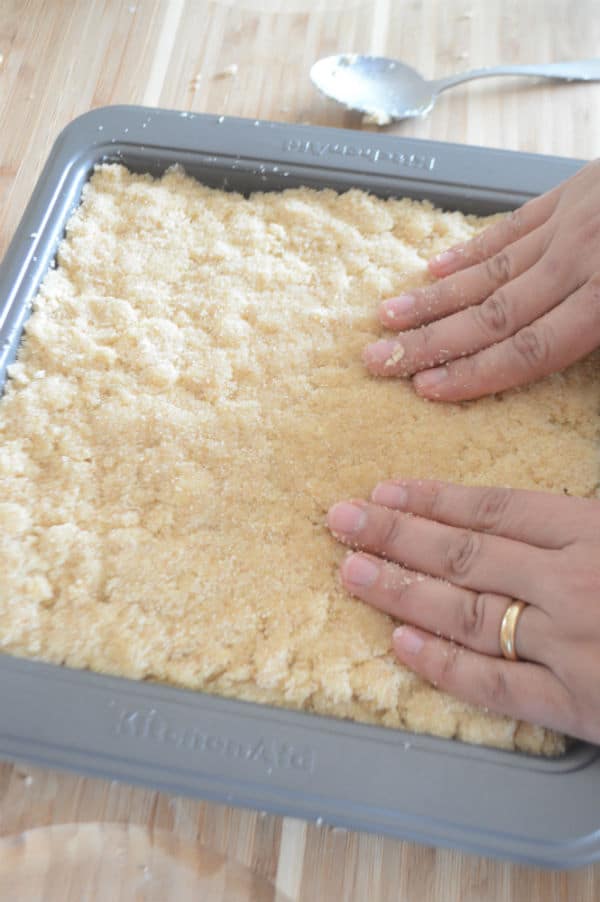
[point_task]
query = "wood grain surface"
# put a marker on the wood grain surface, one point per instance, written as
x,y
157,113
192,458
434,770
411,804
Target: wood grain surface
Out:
x,y
63,57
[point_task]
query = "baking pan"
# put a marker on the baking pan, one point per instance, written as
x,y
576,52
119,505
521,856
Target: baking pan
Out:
x,y
435,791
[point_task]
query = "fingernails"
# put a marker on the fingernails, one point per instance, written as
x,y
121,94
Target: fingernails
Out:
x,y
390,495
359,570
429,379
345,518
396,308
444,259
383,353
407,640
378,352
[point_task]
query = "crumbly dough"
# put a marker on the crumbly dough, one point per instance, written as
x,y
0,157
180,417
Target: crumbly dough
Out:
x,y
188,402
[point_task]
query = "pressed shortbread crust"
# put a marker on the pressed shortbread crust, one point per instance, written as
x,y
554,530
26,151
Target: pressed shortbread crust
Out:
x,y
188,402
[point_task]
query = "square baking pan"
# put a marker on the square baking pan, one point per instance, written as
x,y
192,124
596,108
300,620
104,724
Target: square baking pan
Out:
x,y
435,791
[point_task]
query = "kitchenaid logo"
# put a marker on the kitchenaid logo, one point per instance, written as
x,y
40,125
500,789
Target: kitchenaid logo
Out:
x,y
373,154
269,754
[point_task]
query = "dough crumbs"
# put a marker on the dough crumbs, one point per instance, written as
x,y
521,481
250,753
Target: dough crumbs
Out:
x,y
377,117
396,355
229,71
187,403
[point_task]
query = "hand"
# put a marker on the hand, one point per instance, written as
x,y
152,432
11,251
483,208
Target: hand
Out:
x,y
448,560
517,302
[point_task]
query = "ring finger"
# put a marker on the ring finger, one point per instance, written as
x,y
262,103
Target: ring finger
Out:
x,y
472,619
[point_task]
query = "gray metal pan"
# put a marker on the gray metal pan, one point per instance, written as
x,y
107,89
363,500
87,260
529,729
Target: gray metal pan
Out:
x,y
435,791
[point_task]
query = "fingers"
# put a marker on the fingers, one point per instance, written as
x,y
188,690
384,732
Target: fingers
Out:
x,y
467,287
477,561
471,618
538,518
517,689
503,314
565,334
497,236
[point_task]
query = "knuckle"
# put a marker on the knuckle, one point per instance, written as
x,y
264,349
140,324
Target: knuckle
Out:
x,y
390,535
479,246
473,616
461,554
594,288
532,346
427,345
594,281
434,502
448,665
584,580
398,585
493,315
589,232
499,268
432,294
498,693
513,224
555,266
470,369
490,510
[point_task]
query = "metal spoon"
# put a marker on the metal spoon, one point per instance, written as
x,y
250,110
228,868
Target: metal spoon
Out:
x,y
386,89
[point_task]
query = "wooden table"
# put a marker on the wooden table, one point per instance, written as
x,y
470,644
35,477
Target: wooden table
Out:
x,y
62,57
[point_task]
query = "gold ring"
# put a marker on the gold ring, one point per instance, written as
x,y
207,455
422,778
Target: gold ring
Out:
x,y
508,629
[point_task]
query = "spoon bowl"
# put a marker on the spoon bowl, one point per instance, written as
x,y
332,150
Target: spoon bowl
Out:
x,y
385,89
380,88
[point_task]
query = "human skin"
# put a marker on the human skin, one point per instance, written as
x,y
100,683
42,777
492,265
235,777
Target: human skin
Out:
x,y
479,549
516,303
519,301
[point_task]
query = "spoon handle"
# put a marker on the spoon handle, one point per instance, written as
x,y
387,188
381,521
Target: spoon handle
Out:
x,y
578,70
